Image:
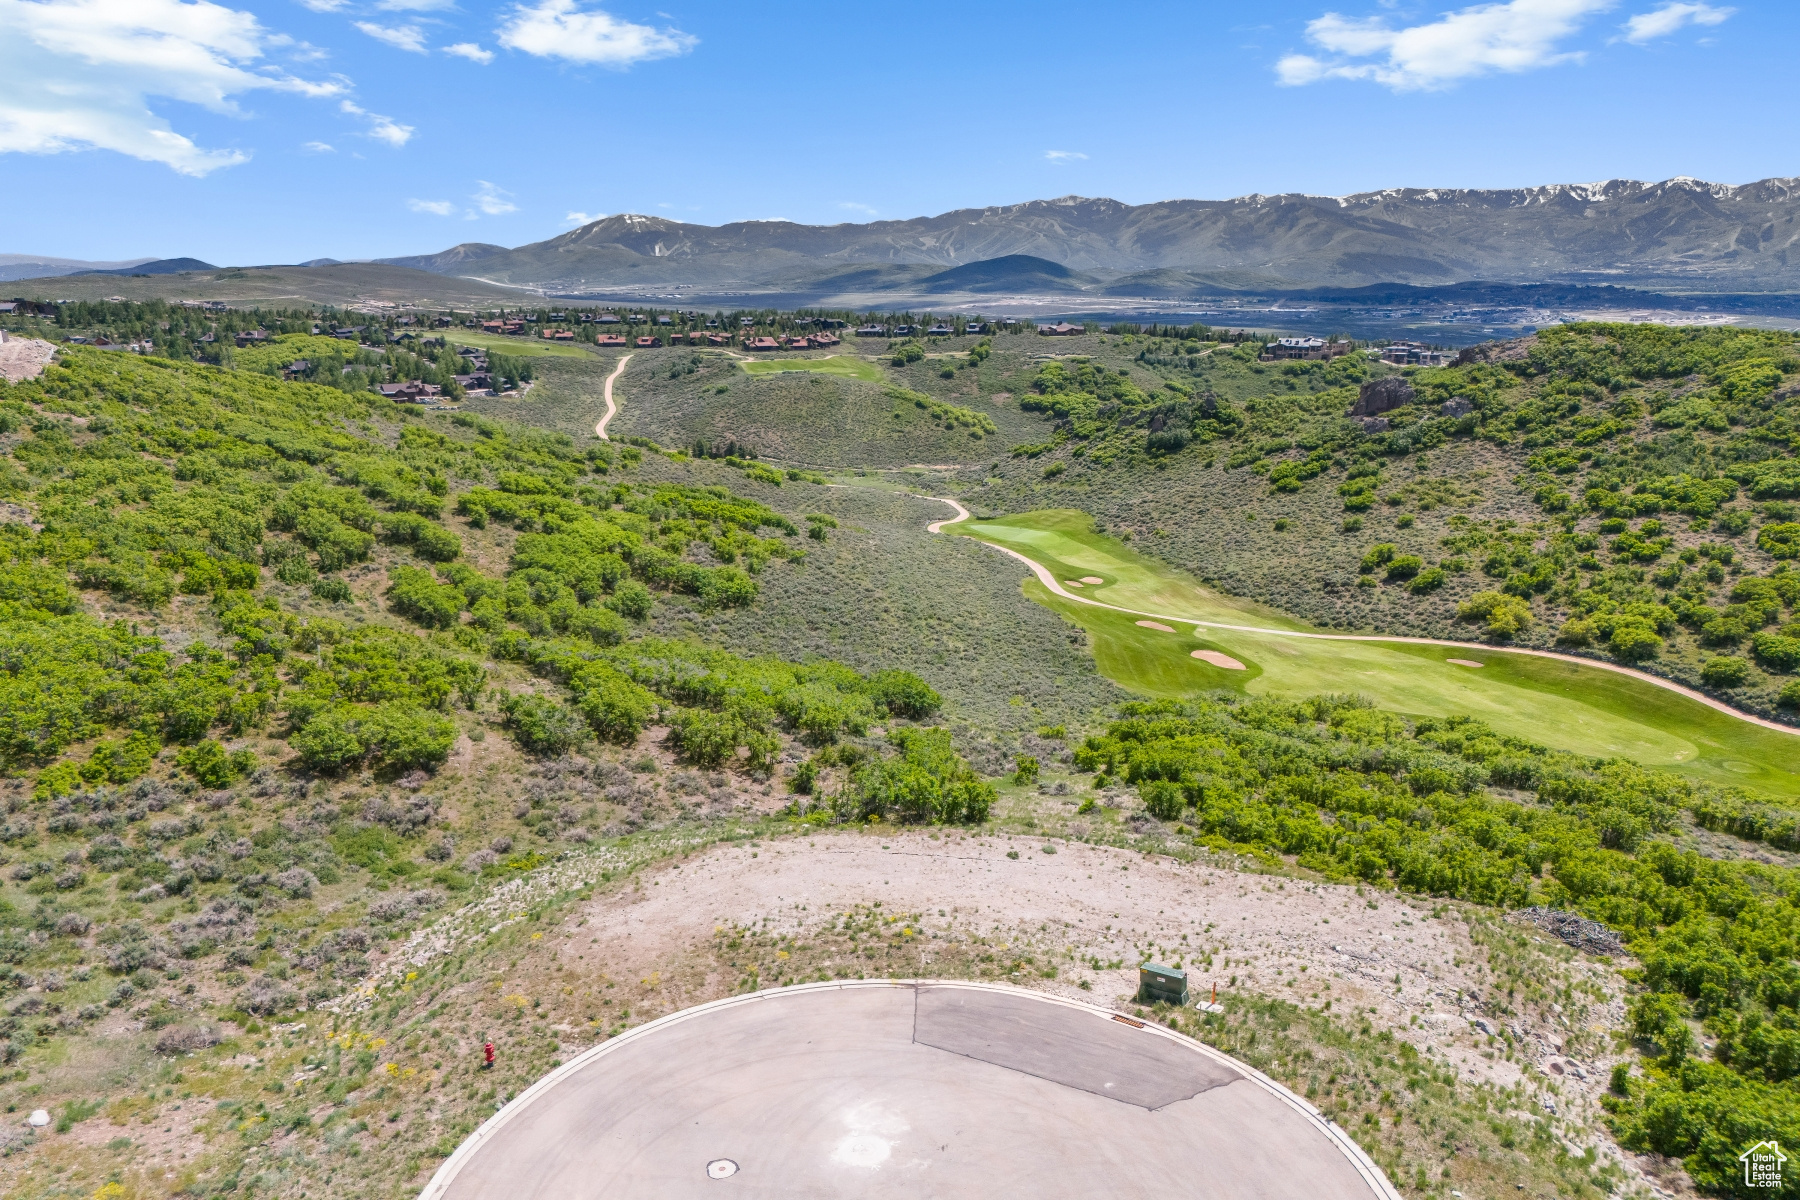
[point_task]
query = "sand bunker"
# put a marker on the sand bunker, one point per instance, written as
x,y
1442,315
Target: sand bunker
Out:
x,y
1219,660
1156,625
1092,579
1070,583
1464,662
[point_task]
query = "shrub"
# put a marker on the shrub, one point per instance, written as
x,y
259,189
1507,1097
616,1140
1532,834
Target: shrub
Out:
x,y
631,599
336,591
1778,652
1634,639
1378,555
1163,799
183,1039
925,783
417,595
1576,631
614,706
1780,540
1428,580
903,694
211,765
1404,567
544,726
1501,615
727,587
1025,769
1725,671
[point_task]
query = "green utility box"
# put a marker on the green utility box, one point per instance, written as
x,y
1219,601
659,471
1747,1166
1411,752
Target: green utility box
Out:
x,y
1157,983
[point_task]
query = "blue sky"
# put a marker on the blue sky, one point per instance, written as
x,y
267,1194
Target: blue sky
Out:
x,y
256,131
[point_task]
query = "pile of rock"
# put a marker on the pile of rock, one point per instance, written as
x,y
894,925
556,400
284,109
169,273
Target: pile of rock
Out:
x,y
1573,928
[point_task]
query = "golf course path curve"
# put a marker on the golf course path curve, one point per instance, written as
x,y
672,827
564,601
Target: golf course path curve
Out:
x,y
612,410
906,1088
1050,581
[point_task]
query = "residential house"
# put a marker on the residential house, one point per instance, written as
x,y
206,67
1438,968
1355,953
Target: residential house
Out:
x,y
1416,354
1062,329
634,318
871,331
297,368
903,330
1303,348
608,318
478,384
827,339
412,391
251,336
718,339
611,341
492,326
646,343
664,321
761,343
939,330
976,327
746,322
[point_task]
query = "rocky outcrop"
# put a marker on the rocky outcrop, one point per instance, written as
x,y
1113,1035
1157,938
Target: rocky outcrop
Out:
x,y
23,358
1381,395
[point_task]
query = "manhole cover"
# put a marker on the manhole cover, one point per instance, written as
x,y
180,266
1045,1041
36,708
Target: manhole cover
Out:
x,y
720,1168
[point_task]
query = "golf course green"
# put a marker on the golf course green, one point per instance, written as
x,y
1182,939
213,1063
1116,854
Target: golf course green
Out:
x,y
1566,705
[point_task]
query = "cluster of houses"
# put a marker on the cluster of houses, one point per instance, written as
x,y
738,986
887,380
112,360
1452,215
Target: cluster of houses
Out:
x,y
1304,348
1061,329
1416,354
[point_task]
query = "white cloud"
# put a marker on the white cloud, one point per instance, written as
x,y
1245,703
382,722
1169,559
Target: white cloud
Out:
x,y
559,29
437,208
319,147
81,75
382,129
401,37
471,51
1519,35
1647,27
1064,156
851,206
324,5
415,5
581,218
493,200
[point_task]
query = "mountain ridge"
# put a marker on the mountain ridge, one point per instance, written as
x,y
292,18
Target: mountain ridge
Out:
x,y
1683,229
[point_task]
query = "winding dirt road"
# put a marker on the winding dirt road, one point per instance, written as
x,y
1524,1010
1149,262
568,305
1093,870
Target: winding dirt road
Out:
x,y
1048,580
612,410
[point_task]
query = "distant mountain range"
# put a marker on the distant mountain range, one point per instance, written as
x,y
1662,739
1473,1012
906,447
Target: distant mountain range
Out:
x,y
40,266
1682,233
1679,236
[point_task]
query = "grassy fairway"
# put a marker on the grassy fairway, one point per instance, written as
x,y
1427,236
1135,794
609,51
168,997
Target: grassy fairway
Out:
x,y
846,365
1564,705
533,347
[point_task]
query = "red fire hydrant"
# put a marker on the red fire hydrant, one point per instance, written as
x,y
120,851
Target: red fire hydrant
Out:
x,y
487,1054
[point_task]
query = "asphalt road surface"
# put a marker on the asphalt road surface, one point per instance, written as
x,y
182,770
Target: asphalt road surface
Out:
x,y
905,1090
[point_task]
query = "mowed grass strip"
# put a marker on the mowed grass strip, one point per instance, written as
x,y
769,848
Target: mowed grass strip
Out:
x,y
1064,541
846,365
519,347
1567,706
